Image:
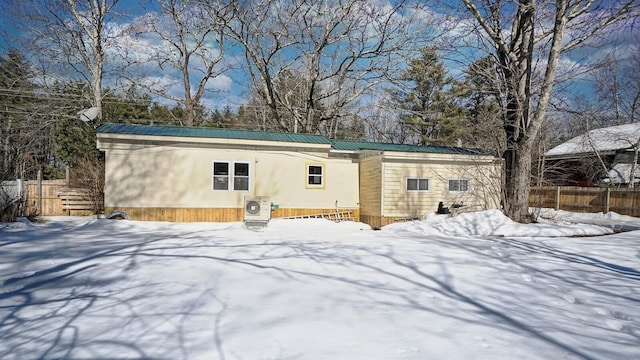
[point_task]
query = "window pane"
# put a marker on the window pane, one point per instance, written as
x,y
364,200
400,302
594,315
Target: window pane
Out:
x,y
314,175
315,170
412,184
459,185
220,176
241,183
220,183
241,169
453,185
464,185
220,168
315,180
417,184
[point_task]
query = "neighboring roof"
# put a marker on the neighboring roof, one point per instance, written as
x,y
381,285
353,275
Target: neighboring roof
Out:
x,y
202,132
344,145
620,173
601,140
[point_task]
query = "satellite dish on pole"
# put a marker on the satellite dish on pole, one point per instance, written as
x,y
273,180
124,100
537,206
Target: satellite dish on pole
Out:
x,y
88,115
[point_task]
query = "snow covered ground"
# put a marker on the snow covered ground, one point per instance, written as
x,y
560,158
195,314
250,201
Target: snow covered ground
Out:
x,y
475,286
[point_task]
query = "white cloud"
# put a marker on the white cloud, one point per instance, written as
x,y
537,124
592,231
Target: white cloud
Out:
x,y
154,62
220,82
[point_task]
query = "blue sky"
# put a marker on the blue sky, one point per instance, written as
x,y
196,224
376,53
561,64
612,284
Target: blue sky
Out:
x,y
231,87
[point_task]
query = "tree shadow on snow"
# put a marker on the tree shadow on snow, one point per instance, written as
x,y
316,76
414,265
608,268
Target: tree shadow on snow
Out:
x,y
55,289
61,291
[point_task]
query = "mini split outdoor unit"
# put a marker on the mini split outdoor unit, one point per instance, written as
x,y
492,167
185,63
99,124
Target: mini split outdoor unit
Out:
x,y
257,209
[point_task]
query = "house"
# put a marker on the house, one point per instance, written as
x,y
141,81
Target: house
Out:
x,y
166,173
597,157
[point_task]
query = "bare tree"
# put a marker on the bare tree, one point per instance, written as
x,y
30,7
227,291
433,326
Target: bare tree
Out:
x,y
25,119
70,38
87,178
618,85
536,28
338,50
184,38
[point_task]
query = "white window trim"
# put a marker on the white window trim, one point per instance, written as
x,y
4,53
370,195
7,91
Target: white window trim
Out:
x,y
459,179
406,184
230,177
248,177
213,176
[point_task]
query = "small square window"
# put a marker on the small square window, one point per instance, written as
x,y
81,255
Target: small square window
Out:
x,y
458,185
417,184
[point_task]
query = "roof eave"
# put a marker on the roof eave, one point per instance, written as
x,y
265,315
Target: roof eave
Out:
x,y
104,138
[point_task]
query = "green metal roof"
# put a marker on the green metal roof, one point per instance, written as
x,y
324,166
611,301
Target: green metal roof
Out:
x,y
345,145
202,132
352,145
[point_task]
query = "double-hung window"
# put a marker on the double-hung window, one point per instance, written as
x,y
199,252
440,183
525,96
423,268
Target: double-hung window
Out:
x,y
315,176
459,185
226,174
417,184
220,175
241,176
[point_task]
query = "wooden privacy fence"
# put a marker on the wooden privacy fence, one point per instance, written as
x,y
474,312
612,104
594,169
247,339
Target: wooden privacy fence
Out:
x,y
587,199
56,198
43,199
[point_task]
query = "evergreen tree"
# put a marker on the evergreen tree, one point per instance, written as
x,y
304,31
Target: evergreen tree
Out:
x,y
71,138
482,97
224,118
129,108
426,101
163,114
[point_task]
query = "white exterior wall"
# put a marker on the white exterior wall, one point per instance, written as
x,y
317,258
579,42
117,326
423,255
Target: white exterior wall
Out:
x,y
179,176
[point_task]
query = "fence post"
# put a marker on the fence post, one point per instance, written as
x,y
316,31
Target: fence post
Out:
x,y
66,174
607,198
19,188
557,207
39,193
21,200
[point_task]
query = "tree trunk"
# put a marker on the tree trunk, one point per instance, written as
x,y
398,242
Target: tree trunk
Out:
x,y
634,165
189,108
6,157
517,164
97,94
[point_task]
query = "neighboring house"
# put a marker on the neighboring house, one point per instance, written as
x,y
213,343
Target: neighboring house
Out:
x,y
167,173
599,156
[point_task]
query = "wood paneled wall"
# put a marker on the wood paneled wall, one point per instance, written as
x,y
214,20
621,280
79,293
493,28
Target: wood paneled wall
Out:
x,y
212,214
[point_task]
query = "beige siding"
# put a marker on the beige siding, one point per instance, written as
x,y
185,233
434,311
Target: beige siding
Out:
x,y
484,177
181,177
371,185
172,178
